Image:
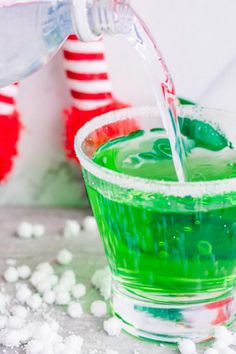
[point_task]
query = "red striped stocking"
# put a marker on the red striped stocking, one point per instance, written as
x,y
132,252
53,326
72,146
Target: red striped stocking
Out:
x,y
9,129
89,84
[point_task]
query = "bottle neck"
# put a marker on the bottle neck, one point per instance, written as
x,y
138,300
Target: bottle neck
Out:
x,y
92,18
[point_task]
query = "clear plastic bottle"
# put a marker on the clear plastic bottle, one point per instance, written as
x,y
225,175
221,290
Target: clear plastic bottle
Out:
x,y
31,31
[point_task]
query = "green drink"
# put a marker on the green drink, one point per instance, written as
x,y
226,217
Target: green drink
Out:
x,y
171,247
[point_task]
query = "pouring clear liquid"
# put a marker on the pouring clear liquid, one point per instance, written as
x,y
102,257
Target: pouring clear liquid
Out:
x,y
164,90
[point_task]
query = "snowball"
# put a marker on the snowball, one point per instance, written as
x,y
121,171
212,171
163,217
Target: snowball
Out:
x,y
67,280
101,279
44,285
62,298
90,224
24,230
11,275
37,277
78,291
98,308
45,267
71,229
24,272
23,294
53,279
75,310
112,326
34,302
64,257
187,346
38,230
19,311
49,297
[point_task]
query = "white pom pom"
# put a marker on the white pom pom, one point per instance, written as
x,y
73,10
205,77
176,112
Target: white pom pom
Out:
x,y
98,308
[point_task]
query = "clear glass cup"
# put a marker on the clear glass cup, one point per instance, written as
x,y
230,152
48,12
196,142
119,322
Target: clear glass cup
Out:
x,y
171,246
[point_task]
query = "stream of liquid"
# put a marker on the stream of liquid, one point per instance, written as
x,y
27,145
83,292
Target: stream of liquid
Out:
x,y
163,88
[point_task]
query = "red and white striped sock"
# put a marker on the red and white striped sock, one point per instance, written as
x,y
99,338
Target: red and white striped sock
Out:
x,y
89,84
87,74
10,128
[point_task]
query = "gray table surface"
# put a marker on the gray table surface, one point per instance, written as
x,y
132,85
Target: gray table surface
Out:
x,y
88,256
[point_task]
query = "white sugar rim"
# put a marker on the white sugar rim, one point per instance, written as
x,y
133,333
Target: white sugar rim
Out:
x,y
193,189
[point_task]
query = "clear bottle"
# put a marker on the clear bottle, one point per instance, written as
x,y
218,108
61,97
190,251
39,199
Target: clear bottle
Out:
x,y
31,31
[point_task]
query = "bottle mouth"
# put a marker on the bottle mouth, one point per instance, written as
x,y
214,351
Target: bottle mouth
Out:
x,y
92,18
82,21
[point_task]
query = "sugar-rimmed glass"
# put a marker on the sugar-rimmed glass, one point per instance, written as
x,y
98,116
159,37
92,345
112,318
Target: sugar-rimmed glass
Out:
x,y
171,246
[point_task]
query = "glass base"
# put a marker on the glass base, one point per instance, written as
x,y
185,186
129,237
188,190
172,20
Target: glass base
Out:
x,y
171,319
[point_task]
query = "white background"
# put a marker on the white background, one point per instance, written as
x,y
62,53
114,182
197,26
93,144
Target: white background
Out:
x,y
198,40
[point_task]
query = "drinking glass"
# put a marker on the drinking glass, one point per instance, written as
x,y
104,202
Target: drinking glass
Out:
x,y
171,246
